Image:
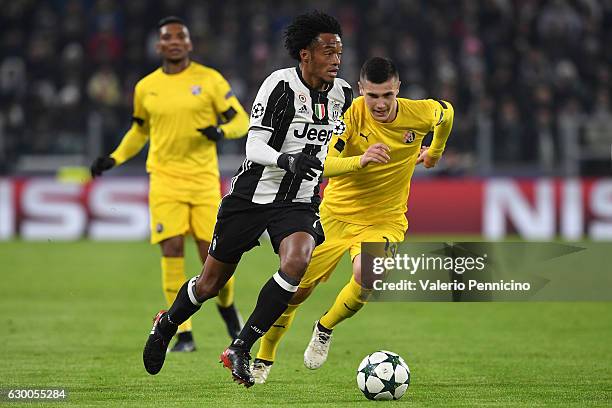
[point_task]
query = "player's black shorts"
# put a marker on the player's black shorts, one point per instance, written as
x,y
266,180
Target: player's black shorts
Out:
x,y
240,223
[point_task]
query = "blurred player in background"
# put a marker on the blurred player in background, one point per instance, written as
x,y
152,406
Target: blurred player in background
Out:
x,y
370,166
177,107
276,189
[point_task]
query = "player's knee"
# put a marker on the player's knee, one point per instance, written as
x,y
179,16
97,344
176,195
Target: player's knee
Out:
x,y
295,265
172,247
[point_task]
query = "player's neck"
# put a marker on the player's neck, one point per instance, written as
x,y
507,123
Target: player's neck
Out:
x,y
393,113
170,67
315,83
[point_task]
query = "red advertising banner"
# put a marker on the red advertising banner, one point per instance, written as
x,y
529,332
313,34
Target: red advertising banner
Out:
x,y
116,208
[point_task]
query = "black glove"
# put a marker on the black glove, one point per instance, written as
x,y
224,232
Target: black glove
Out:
x,y
300,164
213,133
101,164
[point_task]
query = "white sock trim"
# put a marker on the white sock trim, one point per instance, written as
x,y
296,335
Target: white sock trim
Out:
x,y
284,284
191,290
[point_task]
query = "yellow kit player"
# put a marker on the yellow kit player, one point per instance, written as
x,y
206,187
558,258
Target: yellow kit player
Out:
x,y
176,109
370,164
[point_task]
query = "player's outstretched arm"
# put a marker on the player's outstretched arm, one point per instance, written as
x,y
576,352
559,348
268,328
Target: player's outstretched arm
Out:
x,y
133,141
130,145
442,130
337,166
258,151
235,121
236,126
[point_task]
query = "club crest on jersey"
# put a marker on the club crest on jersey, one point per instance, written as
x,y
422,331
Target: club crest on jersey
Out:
x,y
409,136
319,110
196,89
335,112
257,111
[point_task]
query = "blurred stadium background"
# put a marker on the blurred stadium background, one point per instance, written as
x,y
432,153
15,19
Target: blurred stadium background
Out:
x,y
529,157
530,152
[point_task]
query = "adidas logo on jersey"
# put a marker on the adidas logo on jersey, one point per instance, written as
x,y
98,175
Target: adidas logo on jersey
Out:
x,y
303,109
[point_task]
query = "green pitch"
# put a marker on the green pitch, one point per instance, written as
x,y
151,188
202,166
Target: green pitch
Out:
x,y
76,315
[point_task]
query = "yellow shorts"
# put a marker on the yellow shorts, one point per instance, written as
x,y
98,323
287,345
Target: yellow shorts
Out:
x,y
178,211
342,236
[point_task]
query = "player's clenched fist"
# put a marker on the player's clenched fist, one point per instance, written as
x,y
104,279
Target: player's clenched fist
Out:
x,y
377,153
300,164
426,159
100,165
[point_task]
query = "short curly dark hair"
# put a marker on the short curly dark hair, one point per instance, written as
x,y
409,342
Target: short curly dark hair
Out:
x,y
378,70
171,20
305,28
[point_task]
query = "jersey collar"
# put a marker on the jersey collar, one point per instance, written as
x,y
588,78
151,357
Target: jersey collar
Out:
x,y
299,74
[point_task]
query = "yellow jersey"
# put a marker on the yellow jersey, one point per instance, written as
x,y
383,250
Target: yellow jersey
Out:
x,y
379,192
169,110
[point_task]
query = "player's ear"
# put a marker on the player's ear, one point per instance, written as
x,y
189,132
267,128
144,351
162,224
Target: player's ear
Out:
x,y
399,84
305,55
360,88
158,48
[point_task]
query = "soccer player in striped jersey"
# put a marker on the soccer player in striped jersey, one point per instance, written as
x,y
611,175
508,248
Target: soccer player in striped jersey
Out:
x,y
176,109
276,189
370,166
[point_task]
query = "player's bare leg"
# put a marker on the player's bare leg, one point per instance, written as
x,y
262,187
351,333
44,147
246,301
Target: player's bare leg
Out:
x,y
225,300
188,301
295,252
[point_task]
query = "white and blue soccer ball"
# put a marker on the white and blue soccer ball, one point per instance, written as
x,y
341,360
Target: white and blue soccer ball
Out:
x,y
383,375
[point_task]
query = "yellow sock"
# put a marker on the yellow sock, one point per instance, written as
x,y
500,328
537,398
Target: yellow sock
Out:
x,y
173,277
348,302
226,294
269,342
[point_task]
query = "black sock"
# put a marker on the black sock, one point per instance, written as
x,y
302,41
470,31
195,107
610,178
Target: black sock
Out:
x,y
184,306
323,328
232,319
271,303
185,336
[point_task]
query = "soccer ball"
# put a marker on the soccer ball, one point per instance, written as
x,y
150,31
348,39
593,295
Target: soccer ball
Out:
x,y
383,375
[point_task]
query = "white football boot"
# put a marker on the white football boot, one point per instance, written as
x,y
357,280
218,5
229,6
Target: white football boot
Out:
x,y
318,348
260,371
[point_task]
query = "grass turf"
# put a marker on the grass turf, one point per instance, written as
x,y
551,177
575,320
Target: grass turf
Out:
x,y
76,315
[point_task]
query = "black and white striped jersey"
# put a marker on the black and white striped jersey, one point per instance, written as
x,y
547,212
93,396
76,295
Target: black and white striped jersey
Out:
x,y
298,119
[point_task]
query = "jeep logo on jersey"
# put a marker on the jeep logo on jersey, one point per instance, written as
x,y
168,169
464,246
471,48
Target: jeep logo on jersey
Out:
x,y
257,111
196,89
319,110
313,133
409,136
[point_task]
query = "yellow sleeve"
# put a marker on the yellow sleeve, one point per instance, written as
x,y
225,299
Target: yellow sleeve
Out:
x,y
442,129
236,120
334,164
135,139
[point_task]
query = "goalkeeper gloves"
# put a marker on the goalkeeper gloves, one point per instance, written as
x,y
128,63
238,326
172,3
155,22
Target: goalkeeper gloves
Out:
x,y
101,164
300,164
212,133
